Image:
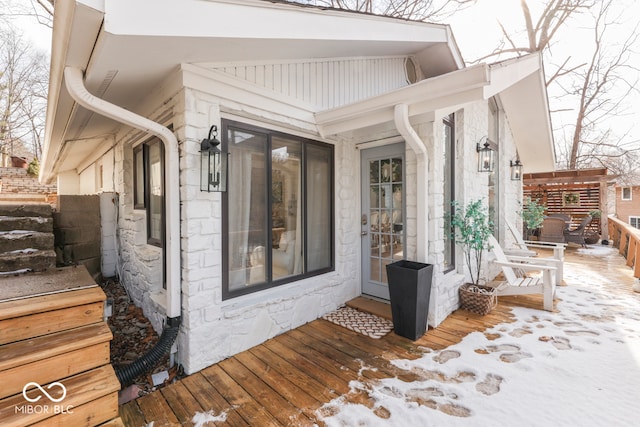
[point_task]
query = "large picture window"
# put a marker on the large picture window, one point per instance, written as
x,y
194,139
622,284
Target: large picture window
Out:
x,y
278,209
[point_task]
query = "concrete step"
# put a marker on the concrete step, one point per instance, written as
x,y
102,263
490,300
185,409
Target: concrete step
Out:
x,y
32,223
24,261
26,209
17,240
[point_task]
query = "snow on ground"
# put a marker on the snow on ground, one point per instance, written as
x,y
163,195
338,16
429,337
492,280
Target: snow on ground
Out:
x,y
579,366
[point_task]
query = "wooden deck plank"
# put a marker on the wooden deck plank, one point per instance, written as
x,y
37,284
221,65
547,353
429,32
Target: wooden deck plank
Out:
x,y
182,402
131,414
252,412
308,362
156,410
28,351
274,403
210,400
12,330
24,307
305,368
44,371
344,360
359,347
297,396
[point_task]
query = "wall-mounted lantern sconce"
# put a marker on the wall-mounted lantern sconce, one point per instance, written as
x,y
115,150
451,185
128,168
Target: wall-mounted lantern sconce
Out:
x,y
516,170
485,156
213,163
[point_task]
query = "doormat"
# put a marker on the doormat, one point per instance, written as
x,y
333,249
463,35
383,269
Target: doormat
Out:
x,y
358,321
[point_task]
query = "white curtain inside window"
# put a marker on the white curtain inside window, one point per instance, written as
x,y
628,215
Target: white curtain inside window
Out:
x,y
247,241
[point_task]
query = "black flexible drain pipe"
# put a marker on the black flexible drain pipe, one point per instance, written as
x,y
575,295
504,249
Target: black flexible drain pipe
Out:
x,y
126,374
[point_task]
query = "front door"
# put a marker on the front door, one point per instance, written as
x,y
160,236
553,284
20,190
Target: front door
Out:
x,y
383,215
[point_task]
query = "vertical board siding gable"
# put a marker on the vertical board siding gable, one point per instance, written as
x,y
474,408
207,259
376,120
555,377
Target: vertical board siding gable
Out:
x,y
326,84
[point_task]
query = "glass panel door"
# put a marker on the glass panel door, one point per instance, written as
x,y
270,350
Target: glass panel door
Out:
x,y
383,195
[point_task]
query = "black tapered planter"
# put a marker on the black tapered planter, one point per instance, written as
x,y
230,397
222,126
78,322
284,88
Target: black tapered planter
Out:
x,y
409,291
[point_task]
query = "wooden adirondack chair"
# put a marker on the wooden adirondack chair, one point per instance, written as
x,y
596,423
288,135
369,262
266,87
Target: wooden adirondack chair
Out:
x,y
516,284
524,249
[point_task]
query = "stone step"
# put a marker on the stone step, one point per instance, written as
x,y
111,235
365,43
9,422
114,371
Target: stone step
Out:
x,y
26,209
27,261
18,240
32,223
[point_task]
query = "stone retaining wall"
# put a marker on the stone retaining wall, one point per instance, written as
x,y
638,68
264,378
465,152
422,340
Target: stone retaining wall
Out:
x,y
16,180
77,232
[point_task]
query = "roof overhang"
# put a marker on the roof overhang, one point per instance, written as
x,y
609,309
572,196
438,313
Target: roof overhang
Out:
x,y
127,49
519,83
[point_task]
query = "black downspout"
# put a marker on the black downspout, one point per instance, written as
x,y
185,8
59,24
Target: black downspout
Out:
x,y
126,374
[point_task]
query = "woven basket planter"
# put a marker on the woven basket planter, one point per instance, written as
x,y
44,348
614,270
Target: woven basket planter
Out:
x,y
478,299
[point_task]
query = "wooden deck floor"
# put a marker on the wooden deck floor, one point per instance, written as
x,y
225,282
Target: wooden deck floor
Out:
x,y
286,380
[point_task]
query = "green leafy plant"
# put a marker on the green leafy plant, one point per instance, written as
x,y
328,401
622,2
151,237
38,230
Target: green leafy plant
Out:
x,y
34,167
532,213
471,228
595,213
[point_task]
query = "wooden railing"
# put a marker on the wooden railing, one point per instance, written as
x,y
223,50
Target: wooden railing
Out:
x,y
627,239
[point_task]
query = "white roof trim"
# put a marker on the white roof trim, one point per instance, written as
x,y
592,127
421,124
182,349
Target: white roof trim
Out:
x,y
519,83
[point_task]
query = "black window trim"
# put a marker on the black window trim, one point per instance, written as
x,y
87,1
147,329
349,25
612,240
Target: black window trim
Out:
x,y
270,134
139,150
450,121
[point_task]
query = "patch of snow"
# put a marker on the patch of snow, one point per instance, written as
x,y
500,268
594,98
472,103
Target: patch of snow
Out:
x,y
23,251
14,234
598,250
14,272
202,418
577,366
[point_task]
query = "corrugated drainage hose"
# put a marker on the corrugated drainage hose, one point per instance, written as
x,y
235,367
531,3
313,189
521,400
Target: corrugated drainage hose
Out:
x,y
126,374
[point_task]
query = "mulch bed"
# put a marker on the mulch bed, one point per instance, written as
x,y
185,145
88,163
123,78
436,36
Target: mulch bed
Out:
x,y
133,336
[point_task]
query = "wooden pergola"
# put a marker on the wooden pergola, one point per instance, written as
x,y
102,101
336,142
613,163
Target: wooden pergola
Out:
x,y
575,192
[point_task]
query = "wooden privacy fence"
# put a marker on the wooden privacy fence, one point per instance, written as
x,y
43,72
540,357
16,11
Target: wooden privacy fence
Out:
x,y
627,239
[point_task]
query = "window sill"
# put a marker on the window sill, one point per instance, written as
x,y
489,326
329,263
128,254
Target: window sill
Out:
x,y
159,298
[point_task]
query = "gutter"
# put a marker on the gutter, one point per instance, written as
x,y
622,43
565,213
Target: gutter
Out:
x,y
401,121
77,90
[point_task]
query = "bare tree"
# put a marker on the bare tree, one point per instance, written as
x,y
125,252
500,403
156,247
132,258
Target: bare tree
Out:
x,y
590,90
419,10
600,90
23,92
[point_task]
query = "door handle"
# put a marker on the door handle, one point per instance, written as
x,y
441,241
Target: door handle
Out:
x,y
363,233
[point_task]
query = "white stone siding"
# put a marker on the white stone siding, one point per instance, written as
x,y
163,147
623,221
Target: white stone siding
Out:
x,y
213,329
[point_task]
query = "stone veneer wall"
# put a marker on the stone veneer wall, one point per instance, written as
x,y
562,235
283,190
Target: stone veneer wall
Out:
x,y
213,329
76,224
16,180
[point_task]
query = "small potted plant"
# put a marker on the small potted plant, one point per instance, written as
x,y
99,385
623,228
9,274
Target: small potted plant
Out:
x,y
532,216
471,228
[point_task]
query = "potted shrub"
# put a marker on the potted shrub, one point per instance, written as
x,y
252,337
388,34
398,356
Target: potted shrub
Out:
x,y
471,227
532,216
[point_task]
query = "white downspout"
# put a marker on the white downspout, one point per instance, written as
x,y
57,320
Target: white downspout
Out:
x,y
75,86
401,120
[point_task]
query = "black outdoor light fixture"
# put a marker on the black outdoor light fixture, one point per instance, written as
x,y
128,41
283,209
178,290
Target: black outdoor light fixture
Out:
x,y
485,155
213,163
516,170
